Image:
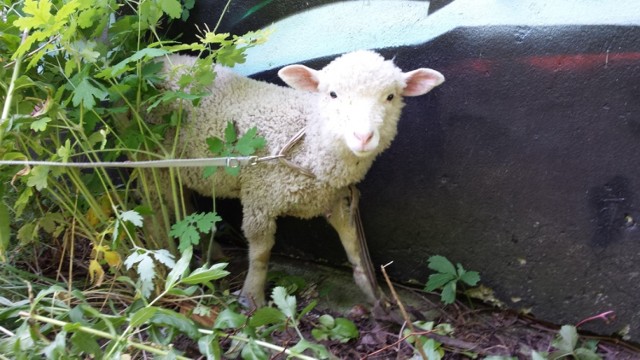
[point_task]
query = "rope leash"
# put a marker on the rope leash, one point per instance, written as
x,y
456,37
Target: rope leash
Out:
x,y
167,163
231,161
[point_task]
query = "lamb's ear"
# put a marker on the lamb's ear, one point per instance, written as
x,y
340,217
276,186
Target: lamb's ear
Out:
x,y
421,81
300,77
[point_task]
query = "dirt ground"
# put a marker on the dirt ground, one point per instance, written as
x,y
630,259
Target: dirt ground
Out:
x,y
478,330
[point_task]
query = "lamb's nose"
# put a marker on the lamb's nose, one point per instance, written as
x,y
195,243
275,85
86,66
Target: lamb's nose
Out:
x,y
364,138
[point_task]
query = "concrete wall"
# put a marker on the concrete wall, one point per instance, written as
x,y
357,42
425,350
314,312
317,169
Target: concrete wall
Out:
x,y
522,166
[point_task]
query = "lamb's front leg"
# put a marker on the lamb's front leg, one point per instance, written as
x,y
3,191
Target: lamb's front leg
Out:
x,y
259,230
346,224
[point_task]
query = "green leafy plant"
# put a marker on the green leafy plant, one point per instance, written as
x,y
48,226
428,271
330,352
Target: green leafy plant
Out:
x,y
567,345
447,278
330,328
189,229
232,145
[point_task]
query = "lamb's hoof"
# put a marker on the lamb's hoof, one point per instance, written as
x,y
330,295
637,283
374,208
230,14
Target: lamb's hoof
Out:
x,y
248,302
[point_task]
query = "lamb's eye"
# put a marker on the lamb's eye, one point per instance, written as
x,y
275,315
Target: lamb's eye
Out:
x,y
333,94
390,97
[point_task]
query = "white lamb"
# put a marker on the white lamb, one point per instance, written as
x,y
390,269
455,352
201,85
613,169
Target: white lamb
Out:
x,y
349,111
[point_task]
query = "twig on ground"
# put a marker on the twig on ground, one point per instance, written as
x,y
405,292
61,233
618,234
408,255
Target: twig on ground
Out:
x,y
403,311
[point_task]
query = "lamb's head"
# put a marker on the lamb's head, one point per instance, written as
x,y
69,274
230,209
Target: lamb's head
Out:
x,y
360,96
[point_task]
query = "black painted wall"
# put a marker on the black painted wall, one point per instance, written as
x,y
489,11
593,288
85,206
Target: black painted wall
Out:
x,y
522,166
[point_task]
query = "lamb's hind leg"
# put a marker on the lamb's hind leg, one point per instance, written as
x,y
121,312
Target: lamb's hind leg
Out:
x,y
260,232
346,224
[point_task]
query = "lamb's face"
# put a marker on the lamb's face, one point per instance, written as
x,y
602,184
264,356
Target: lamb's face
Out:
x,y
364,120
360,97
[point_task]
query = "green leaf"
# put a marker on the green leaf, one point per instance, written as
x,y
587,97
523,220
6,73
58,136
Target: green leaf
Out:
x,y
143,315
64,151
85,93
567,339
437,281
175,320
180,268
286,303
121,67
5,230
132,216
203,275
210,347
146,271
56,349
344,330
537,356
230,135
266,316
448,295
209,171
327,321
164,257
586,354
40,124
249,142
171,8
40,11
213,38
432,349
228,319
318,350
252,351
86,343
230,55
215,144
207,222
441,264
470,278
38,177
